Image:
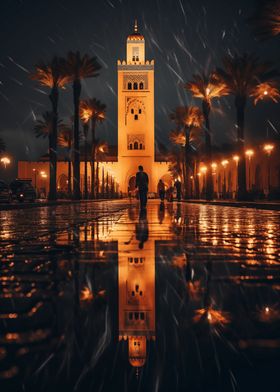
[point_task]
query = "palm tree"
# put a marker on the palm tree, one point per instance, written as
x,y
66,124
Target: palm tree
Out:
x,y
2,145
97,112
100,154
85,115
266,21
65,139
187,118
44,128
79,67
52,75
207,87
242,75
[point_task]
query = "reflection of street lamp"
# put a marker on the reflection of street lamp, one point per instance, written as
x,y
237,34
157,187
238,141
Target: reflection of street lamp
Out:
x,y
268,148
224,164
6,161
249,154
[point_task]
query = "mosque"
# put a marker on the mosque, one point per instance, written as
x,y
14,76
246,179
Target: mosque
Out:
x,y
136,130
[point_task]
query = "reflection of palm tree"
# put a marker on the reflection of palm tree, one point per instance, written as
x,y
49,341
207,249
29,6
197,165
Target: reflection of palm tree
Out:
x,y
53,76
79,67
65,139
187,118
242,76
207,87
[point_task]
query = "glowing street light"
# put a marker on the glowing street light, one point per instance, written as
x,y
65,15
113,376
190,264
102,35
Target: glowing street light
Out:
x,y
249,154
214,166
268,148
236,160
224,163
6,161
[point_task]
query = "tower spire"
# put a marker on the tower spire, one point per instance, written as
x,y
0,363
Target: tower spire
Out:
x,y
135,26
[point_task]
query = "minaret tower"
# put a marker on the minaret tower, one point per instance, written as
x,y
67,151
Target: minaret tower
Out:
x,y
136,133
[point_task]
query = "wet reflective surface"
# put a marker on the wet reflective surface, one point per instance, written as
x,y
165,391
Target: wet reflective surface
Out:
x,y
102,297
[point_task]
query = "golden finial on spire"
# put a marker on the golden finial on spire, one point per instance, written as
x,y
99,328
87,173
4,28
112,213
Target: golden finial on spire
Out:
x,y
135,26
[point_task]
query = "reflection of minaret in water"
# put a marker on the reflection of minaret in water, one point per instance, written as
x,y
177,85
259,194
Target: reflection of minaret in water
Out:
x,y
137,296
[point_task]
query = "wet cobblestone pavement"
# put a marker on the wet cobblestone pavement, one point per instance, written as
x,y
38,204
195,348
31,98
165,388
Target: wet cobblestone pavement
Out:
x,y
102,297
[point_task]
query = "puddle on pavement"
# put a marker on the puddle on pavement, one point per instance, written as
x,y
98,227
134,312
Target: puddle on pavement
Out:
x,y
178,296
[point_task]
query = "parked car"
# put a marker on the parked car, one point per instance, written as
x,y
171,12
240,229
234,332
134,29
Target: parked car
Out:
x,y
4,192
22,190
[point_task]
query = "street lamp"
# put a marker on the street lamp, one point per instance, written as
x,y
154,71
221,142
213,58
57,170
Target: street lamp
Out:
x,y
249,154
35,171
268,148
236,160
6,161
225,162
203,170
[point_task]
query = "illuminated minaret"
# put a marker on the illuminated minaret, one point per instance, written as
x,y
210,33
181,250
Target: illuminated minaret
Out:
x,y
136,133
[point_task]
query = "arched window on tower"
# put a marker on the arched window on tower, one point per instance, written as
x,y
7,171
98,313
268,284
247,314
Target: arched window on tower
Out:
x,y
132,111
140,146
141,85
130,146
135,146
135,86
135,116
129,86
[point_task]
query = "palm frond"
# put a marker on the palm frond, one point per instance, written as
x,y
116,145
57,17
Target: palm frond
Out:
x,y
80,67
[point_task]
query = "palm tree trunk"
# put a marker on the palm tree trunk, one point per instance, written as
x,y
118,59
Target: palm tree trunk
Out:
x,y
69,169
187,162
76,93
97,179
93,123
208,150
240,104
53,144
86,162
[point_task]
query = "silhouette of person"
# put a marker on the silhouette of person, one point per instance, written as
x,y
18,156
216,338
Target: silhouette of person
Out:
x,y
178,187
142,183
161,190
142,228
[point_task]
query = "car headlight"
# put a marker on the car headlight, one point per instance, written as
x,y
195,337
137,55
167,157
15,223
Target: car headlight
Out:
x,y
21,195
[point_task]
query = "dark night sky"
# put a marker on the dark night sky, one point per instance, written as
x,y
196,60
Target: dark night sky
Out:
x,y
183,36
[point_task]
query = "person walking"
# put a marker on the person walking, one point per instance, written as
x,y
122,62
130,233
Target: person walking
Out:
x,y
142,183
178,187
161,190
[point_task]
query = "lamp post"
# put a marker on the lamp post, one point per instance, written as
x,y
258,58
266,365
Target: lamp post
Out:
x,y
203,171
224,164
35,171
6,161
214,166
268,148
249,154
198,184
236,160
